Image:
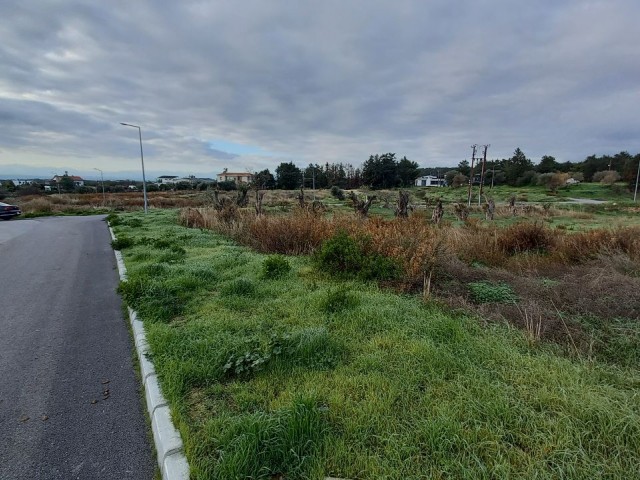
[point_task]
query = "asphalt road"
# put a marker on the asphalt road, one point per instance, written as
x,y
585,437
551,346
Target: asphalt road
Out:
x,y
70,403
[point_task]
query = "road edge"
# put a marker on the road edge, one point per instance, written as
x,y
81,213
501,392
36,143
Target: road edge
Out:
x,y
171,459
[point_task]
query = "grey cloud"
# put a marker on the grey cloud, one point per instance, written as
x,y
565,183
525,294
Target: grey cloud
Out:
x,y
320,81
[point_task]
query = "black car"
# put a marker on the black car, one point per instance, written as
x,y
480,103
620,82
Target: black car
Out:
x,y
7,212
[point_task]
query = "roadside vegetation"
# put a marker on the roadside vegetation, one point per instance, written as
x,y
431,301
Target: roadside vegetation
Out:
x,y
312,342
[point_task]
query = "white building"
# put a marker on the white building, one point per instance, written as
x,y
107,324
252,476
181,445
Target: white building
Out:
x,y
430,181
167,179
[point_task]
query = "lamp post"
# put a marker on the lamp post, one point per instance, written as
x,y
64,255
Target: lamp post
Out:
x,y
104,199
635,193
144,181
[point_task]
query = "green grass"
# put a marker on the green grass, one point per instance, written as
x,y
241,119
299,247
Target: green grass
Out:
x,y
305,376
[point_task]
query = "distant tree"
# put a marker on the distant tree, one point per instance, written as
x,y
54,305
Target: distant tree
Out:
x,y
264,180
516,166
547,164
380,171
459,180
315,175
558,180
288,176
66,183
608,177
464,168
407,172
449,176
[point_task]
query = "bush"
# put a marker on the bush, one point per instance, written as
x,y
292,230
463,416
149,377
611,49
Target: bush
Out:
x,y
344,256
275,266
485,292
113,219
337,192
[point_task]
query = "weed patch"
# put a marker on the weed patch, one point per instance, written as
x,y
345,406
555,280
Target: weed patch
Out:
x,y
485,292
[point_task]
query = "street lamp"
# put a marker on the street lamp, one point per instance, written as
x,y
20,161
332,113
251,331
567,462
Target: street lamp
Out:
x,y
104,199
635,193
144,181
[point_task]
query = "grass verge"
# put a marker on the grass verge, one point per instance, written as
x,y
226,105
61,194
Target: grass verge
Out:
x,y
302,376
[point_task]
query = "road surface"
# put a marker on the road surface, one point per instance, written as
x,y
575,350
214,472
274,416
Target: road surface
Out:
x,y
70,403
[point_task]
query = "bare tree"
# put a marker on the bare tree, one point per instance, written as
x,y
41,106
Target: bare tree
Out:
x,y
258,205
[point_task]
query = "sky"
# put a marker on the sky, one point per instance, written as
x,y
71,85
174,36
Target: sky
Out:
x,y
248,84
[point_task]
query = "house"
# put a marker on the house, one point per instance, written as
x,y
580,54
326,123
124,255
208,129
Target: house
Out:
x,y
19,182
226,176
77,181
167,179
430,181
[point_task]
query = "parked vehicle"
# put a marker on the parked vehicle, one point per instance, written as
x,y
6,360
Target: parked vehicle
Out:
x,y
7,212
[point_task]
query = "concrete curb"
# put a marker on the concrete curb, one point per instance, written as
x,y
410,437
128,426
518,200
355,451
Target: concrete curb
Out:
x,y
171,460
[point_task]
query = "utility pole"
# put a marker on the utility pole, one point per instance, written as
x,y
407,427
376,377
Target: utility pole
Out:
x,y
473,158
484,163
313,176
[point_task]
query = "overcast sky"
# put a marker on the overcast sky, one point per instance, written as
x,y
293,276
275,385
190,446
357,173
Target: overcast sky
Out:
x,y
246,84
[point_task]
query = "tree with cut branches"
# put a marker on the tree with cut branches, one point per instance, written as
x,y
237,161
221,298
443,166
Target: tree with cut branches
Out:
x,y
362,206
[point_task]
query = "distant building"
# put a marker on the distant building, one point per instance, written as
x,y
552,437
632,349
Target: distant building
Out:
x,y
226,176
19,182
430,181
167,179
77,181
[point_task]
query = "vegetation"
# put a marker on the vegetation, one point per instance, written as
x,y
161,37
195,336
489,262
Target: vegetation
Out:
x,y
308,375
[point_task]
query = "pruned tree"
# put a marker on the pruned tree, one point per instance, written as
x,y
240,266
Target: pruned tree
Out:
x,y
259,195
512,205
438,213
362,206
462,211
489,209
300,197
403,205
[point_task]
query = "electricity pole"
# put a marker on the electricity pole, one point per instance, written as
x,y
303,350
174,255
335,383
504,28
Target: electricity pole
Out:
x,y
635,193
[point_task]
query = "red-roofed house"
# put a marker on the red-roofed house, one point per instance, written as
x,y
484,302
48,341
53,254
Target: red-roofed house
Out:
x,y
77,181
243,177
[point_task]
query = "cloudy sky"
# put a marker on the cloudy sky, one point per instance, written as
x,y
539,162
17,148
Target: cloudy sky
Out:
x,y
246,84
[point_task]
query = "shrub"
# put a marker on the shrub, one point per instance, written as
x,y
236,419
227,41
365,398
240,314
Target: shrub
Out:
x,y
485,292
345,256
113,219
275,266
337,192
122,242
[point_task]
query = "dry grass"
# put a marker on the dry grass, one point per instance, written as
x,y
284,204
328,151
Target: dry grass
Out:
x,y
74,203
558,277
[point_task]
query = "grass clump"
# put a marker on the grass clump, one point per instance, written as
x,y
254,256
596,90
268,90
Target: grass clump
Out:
x,y
241,287
122,242
275,266
281,444
338,300
487,292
